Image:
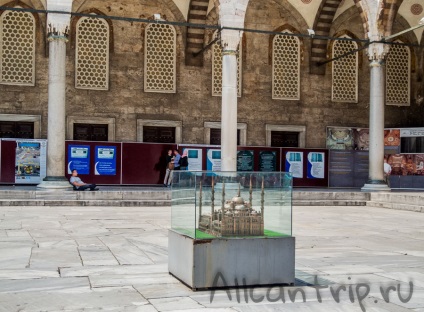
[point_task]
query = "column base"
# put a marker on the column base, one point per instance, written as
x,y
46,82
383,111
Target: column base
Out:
x,y
376,186
55,183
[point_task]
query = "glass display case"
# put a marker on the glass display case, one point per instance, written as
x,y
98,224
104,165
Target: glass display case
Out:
x,y
211,205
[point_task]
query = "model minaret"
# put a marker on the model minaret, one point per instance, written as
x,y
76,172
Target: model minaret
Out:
x,y
251,193
200,200
262,197
223,196
213,197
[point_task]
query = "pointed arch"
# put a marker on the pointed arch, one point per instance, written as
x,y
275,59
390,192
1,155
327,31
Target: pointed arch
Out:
x,y
195,38
322,26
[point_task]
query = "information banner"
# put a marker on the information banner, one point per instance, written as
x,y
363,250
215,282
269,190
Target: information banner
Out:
x,y
316,165
245,161
30,161
194,156
79,159
105,160
268,161
294,164
213,162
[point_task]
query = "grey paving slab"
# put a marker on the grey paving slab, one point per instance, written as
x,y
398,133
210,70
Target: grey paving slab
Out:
x,y
10,225
71,284
17,233
45,258
114,270
15,257
133,279
97,256
118,299
170,304
17,274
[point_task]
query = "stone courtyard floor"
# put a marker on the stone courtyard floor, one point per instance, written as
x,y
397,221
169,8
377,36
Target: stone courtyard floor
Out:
x,y
115,259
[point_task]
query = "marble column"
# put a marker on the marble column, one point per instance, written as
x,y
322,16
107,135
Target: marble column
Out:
x,y
376,123
230,40
57,37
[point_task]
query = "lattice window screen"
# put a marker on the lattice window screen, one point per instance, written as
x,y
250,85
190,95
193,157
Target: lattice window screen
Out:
x,y
17,48
217,69
398,76
160,59
345,72
92,54
286,68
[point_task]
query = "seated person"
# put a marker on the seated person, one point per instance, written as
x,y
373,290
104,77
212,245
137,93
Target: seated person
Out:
x,y
80,185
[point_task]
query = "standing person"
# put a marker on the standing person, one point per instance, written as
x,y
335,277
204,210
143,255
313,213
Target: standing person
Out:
x,y
184,160
80,185
387,170
177,159
169,168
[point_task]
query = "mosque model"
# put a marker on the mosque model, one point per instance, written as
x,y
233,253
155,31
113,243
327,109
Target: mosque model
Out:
x,y
236,217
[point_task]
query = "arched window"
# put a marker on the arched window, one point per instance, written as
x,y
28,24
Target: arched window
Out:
x,y
92,54
398,75
217,69
285,67
160,59
345,72
17,66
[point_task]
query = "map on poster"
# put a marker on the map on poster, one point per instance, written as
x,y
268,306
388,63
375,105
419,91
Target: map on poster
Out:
x,y
316,165
30,161
194,156
213,162
105,160
79,158
245,161
294,164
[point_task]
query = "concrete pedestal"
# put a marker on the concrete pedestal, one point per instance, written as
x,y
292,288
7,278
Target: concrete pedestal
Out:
x,y
218,263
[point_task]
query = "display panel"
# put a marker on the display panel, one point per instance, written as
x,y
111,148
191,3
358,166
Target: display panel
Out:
x,y
207,205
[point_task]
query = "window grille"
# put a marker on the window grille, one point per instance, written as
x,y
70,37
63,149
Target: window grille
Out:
x,y
217,69
286,67
398,76
345,72
160,59
92,54
17,48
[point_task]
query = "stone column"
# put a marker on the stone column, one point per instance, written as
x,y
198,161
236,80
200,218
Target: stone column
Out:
x,y
230,40
58,26
376,123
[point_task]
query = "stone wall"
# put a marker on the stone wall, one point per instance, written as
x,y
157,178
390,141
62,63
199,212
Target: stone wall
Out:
x,y
193,104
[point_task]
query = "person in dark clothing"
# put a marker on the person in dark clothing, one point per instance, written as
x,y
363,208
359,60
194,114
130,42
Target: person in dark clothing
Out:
x,y
184,160
169,167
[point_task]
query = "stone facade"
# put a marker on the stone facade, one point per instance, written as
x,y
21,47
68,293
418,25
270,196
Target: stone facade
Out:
x,y
192,104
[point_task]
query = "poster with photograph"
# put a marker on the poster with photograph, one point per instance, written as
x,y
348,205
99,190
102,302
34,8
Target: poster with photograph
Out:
x,y
419,163
340,138
30,161
392,137
194,156
294,164
268,161
213,161
397,162
105,160
316,165
79,158
245,161
361,139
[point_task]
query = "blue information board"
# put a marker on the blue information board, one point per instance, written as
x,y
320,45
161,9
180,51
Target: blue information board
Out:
x,y
105,160
79,158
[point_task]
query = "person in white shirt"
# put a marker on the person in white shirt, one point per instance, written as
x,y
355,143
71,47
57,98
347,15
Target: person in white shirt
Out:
x,y
79,185
387,170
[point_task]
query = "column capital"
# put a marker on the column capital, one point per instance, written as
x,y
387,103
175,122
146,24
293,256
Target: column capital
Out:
x,y
58,24
230,40
377,51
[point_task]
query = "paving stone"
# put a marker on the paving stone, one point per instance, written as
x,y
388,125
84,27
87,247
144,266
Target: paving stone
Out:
x,y
170,304
97,256
16,274
46,258
70,284
112,270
